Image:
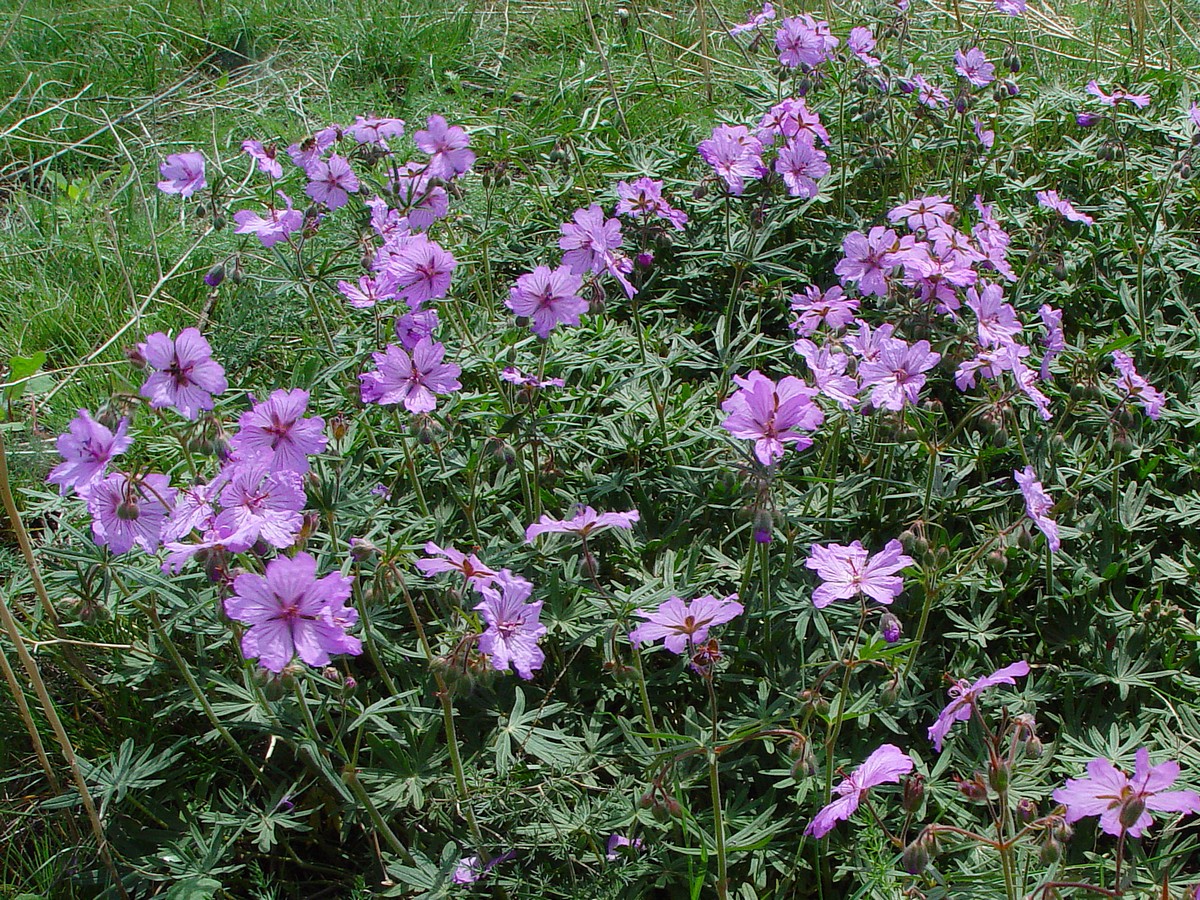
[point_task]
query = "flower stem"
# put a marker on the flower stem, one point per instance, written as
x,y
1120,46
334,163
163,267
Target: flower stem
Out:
x,y
714,782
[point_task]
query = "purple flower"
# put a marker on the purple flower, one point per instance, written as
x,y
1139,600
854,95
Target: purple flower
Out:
x,y
414,326
264,157
292,613
791,118
1087,120
755,21
307,153
332,182
1133,385
421,270
846,572
185,376
511,638
1051,200
1010,7
815,306
1141,101
87,447
897,376
447,148
929,94
735,155
588,242
373,130
829,372
411,380
884,766
923,212
1194,114
868,345
965,695
1038,505
802,165
683,625
385,221
974,67
513,375
183,174
868,259
997,320
366,293
618,841
804,41
584,523
548,298
468,871
263,504
861,42
276,430
125,511
985,136
644,200
1124,804
772,414
473,571
273,229
1055,341
424,200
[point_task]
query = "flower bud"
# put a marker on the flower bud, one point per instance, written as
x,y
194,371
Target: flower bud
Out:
x,y
671,805
908,540
973,788
1061,831
997,561
998,775
135,357
913,793
218,222
1034,748
646,800
361,549
1026,810
1050,852
1131,812
915,857
890,691
215,275
128,511
889,624
763,525
1060,271
1024,539
589,564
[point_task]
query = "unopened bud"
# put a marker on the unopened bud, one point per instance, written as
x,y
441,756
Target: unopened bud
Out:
x,y
997,561
1050,852
589,564
915,857
763,524
889,624
908,540
913,793
1131,812
362,549
215,275
218,222
135,357
1034,748
1026,810
973,788
1061,831
671,805
998,775
890,691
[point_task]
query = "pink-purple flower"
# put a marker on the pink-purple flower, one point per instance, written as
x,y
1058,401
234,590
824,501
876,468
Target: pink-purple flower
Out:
x,y
375,130
420,270
293,613
511,638
87,447
682,625
331,182
185,375
1038,505
756,20
735,155
898,374
922,212
412,380
182,174
589,241
448,559
264,156
1134,386
263,504
548,298
868,260
272,228
584,523
861,42
964,696
1051,200
126,511
1124,804
1118,95
831,307
447,146
804,41
772,414
802,165
997,321
847,571
643,199
884,766
974,66
277,431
